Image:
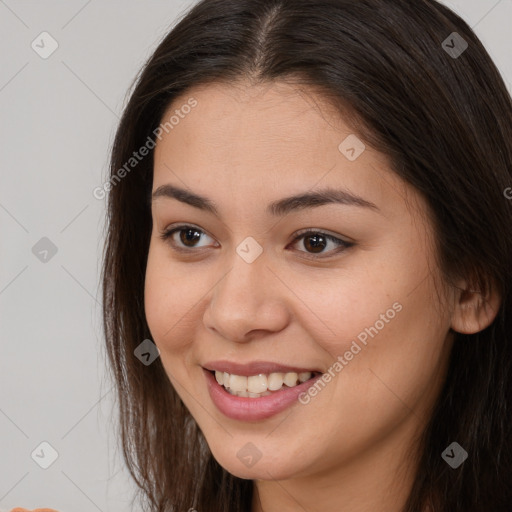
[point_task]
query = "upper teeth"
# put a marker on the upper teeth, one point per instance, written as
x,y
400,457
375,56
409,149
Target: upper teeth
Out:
x,y
260,383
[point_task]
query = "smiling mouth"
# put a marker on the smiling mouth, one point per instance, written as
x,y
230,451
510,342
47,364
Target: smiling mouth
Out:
x,y
256,386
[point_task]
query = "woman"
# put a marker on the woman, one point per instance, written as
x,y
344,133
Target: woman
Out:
x,y
331,328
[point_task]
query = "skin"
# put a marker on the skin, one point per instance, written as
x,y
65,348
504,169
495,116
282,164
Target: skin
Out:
x,y
352,447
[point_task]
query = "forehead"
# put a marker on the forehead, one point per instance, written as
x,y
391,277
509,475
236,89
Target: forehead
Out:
x,y
281,114
268,140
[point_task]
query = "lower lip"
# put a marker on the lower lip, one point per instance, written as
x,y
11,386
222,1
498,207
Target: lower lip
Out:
x,y
254,409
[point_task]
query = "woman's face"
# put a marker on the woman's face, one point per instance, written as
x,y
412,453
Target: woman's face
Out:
x,y
240,292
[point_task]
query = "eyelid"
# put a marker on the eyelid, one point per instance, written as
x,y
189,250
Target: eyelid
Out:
x,y
326,232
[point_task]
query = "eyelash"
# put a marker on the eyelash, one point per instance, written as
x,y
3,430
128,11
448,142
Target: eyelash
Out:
x,y
167,234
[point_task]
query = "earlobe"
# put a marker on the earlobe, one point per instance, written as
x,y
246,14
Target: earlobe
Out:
x,y
473,311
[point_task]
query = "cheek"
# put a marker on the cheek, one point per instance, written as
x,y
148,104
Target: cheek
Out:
x,y
386,324
392,368
170,294
336,307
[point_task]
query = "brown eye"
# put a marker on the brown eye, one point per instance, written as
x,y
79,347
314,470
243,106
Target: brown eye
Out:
x,y
315,242
188,237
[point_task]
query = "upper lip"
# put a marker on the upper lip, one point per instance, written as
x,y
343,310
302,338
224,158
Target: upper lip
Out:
x,y
254,368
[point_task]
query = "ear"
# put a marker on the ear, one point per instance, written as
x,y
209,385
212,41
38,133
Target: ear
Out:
x,y
475,310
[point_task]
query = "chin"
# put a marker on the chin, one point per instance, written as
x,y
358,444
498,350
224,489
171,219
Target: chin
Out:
x,y
248,464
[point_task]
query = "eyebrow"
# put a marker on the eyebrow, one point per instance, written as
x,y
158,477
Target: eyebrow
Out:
x,y
280,207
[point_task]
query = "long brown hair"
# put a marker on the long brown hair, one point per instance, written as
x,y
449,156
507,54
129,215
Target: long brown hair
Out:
x,y
444,120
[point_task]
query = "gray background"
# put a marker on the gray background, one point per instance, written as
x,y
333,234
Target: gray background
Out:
x,y
58,117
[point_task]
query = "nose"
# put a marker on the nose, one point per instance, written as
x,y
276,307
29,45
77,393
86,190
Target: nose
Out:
x,y
248,301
